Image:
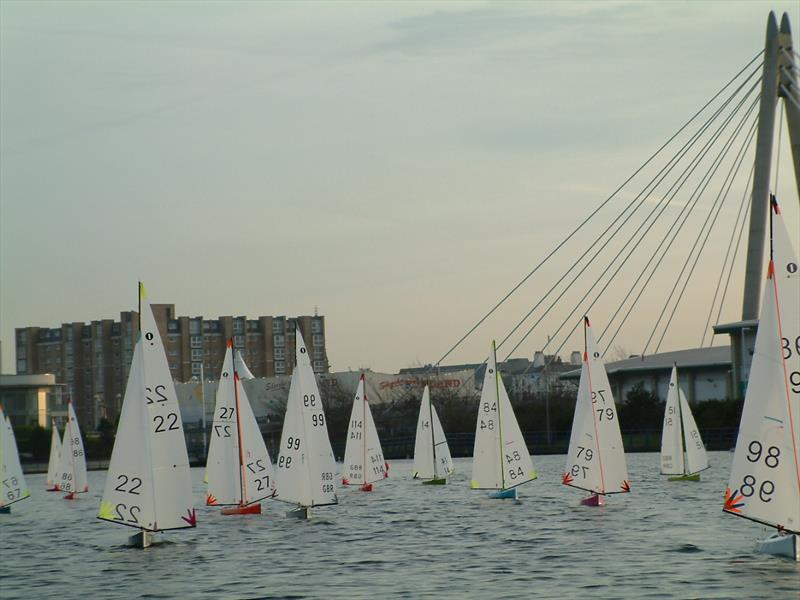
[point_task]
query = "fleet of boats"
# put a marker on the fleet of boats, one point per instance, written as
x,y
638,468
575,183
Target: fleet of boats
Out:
x,y
148,484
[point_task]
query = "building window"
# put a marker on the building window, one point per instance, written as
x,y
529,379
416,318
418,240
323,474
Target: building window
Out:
x,y
280,367
279,340
238,341
316,325
318,353
195,326
319,366
197,341
254,326
22,365
318,339
197,368
277,326
280,353
197,354
238,325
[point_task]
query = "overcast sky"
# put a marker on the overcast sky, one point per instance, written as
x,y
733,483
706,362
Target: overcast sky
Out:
x,y
397,165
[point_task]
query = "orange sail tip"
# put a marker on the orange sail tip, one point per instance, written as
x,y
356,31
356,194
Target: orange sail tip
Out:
x,y
586,321
229,343
345,481
585,356
566,479
732,499
626,486
774,201
210,500
771,270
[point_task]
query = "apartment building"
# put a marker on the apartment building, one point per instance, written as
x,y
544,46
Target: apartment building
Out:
x,y
92,359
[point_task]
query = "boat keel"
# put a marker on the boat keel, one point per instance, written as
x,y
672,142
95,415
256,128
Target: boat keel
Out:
x,y
301,512
367,487
593,500
435,482
143,539
504,494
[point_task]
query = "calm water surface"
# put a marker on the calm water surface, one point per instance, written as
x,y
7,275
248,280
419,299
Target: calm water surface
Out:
x,y
405,540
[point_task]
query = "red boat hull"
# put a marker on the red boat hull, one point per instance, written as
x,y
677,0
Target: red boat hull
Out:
x,y
367,487
593,500
251,509
70,496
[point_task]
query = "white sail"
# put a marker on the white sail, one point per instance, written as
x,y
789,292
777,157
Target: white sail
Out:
x,y
12,482
241,366
223,470
70,475
55,455
696,457
500,459
596,458
671,439
765,477
148,485
306,468
363,456
432,458
259,474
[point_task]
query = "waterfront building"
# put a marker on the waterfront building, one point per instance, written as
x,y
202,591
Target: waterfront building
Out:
x,y
92,360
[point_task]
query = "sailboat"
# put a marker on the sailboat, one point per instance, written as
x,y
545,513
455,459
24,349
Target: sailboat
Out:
x,y
55,456
500,461
765,477
306,467
680,430
432,460
363,458
148,486
239,470
13,488
70,475
596,457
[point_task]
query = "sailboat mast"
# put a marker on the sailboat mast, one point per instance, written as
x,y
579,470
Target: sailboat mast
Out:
x,y
364,430
242,485
433,438
499,417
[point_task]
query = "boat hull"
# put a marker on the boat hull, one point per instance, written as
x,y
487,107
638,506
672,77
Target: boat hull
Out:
x,y
593,500
504,494
70,496
143,539
250,509
434,482
5,510
692,477
367,487
779,544
301,512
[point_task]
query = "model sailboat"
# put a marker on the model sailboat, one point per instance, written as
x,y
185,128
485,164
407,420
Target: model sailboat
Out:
x,y
148,486
679,430
239,470
70,476
55,456
596,457
500,461
363,458
765,478
432,460
306,467
12,482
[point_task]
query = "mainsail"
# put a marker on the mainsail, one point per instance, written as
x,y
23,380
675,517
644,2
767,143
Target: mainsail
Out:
x,y
148,485
500,460
596,457
765,477
55,455
363,456
71,472
306,466
12,482
432,458
239,469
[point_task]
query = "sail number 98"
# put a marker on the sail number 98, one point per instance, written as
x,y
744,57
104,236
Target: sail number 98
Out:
x,y
755,451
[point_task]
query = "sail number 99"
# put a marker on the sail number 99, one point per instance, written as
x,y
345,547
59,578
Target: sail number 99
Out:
x,y
309,400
